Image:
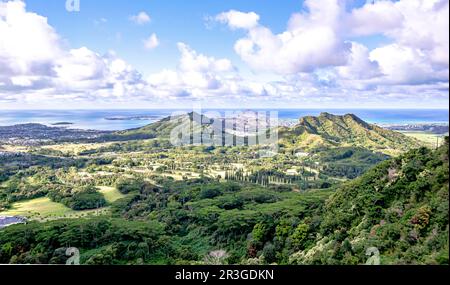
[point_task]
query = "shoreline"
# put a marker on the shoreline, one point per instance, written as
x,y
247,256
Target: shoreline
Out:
x,y
125,119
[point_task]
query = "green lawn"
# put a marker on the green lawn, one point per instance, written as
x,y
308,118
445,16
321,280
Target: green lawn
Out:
x,y
111,193
44,209
428,138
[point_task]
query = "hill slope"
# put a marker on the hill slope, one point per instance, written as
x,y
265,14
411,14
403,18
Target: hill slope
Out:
x,y
329,130
400,207
310,133
164,127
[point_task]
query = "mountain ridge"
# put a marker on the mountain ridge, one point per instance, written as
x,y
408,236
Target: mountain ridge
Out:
x,y
310,133
328,130
399,207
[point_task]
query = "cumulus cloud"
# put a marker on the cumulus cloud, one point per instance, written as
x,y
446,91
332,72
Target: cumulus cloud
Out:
x,y
359,65
201,77
320,41
238,20
425,27
141,18
195,71
421,24
28,43
420,33
406,65
311,41
374,18
192,61
151,42
317,60
33,62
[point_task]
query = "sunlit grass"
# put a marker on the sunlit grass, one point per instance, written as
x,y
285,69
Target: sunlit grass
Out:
x,y
45,209
429,139
111,193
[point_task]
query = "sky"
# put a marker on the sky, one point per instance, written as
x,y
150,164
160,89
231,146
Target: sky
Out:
x,y
69,54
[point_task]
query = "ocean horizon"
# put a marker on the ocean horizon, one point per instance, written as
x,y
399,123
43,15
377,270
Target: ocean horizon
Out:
x,y
121,119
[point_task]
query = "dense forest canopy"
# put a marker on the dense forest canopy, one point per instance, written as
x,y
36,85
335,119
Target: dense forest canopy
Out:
x,y
400,207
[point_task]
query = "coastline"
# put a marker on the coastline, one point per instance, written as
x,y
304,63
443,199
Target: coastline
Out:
x,y
116,120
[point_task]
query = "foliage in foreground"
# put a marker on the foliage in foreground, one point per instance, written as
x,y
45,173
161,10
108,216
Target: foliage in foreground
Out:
x,y
400,207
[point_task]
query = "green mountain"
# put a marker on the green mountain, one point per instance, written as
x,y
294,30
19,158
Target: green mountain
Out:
x,y
311,133
399,208
329,130
164,127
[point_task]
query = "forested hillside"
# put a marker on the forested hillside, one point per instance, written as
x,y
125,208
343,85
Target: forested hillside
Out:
x,y
329,130
398,209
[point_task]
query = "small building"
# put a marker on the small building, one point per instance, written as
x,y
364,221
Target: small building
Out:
x,y
301,154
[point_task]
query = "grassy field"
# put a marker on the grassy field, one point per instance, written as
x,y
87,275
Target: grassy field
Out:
x,y
43,206
13,148
76,148
44,209
111,194
428,138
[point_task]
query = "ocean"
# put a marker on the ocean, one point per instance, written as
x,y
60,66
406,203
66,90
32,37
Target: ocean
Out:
x,y
110,120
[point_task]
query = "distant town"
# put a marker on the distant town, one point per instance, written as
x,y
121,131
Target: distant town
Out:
x,y
440,129
35,134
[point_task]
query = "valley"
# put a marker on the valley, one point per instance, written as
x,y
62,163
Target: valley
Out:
x,y
258,209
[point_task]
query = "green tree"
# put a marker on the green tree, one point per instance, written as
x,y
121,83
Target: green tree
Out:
x,y
300,236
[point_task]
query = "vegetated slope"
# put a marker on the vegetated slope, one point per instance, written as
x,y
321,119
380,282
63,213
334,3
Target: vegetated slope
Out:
x,y
311,133
329,130
178,223
348,162
164,127
401,207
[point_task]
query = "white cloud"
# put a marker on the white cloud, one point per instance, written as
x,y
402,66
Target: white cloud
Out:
x,y
34,62
320,40
426,27
316,61
23,81
195,71
311,41
100,21
418,24
141,18
359,65
406,65
373,18
27,43
79,65
192,61
238,20
419,30
201,77
151,42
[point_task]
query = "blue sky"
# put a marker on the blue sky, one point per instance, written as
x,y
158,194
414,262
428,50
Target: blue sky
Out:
x,y
173,21
259,53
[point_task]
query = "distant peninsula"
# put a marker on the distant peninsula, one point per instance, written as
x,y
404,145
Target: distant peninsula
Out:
x,y
132,118
62,124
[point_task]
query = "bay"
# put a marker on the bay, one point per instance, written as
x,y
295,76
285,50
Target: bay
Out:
x,y
110,120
